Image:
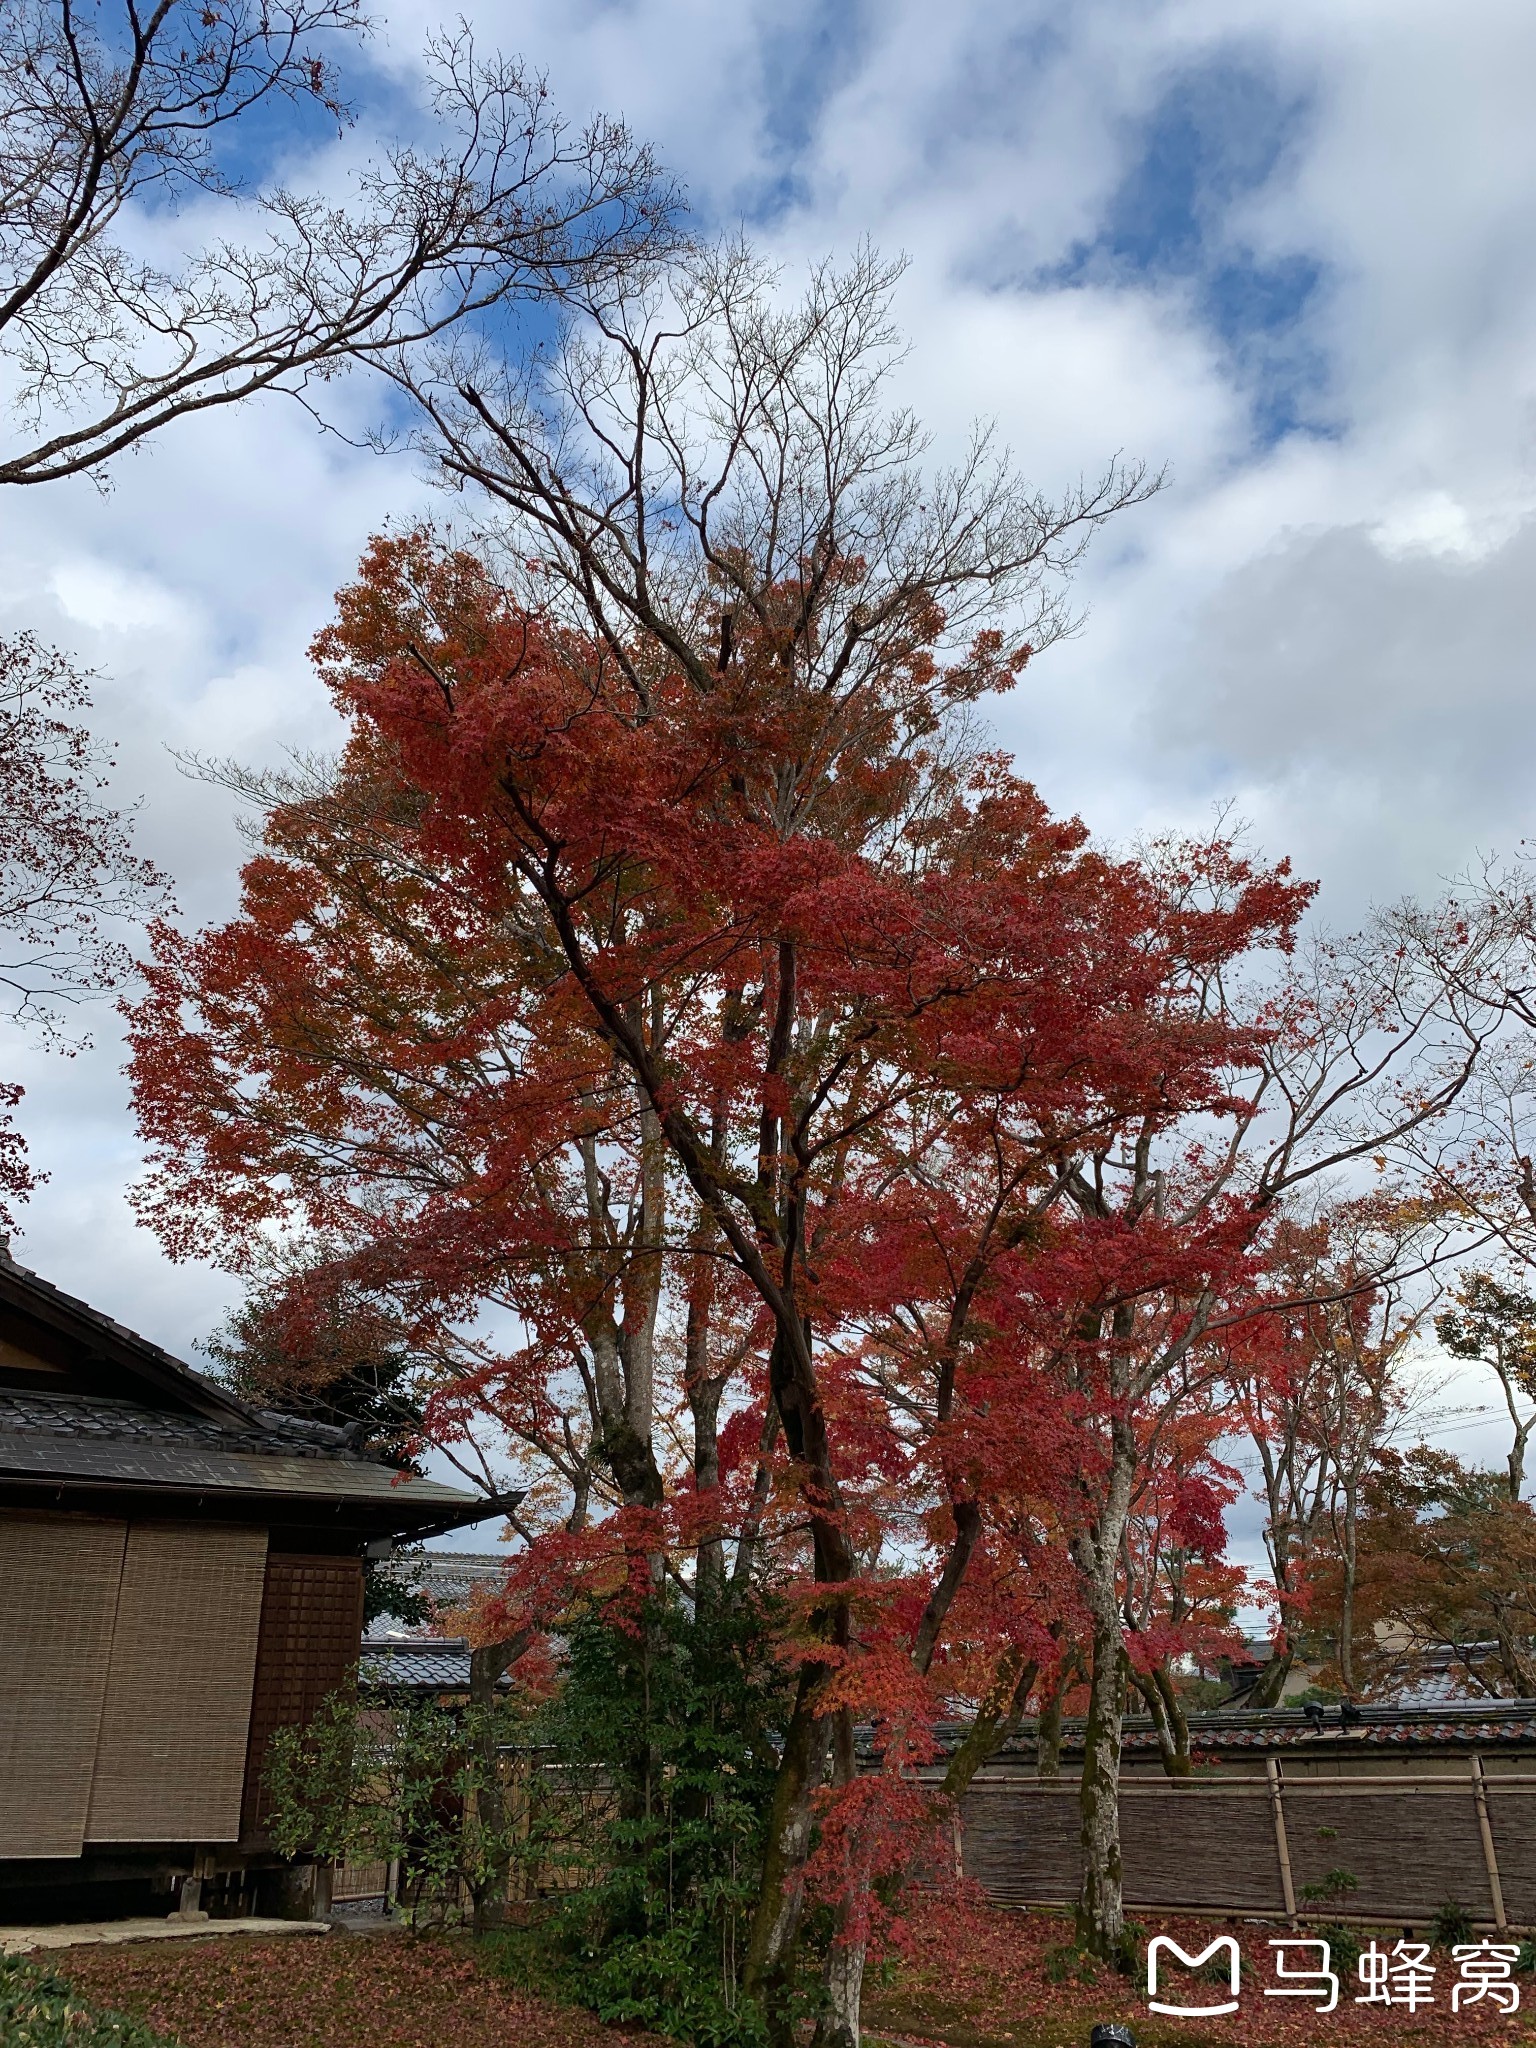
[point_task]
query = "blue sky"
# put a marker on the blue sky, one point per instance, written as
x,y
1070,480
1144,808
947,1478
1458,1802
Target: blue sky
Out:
x,y
1287,252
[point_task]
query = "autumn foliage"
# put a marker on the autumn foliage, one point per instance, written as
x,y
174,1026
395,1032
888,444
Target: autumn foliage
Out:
x,y
827,1167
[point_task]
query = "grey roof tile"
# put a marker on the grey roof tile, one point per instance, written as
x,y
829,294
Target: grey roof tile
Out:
x,y
109,1418
424,1664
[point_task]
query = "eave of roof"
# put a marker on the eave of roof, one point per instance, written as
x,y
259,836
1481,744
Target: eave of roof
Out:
x,y
100,1337
105,1447
191,1468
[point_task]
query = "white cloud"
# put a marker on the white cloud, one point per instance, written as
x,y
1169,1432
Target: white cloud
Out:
x,y
1336,630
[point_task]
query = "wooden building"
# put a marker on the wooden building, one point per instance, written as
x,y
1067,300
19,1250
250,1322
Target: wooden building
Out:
x,y
180,1575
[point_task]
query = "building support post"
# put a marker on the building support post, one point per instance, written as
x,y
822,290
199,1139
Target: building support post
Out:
x,y
189,1897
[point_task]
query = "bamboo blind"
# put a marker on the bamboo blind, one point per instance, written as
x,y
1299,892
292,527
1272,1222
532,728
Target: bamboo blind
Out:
x,y
311,1630
1512,1818
1409,1857
59,1575
171,1755
1210,1845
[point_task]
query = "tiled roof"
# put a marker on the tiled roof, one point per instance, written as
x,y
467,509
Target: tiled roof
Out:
x,y
142,1361
174,1430
106,1418
99,1439
417,1664
1473,1723
1397,1728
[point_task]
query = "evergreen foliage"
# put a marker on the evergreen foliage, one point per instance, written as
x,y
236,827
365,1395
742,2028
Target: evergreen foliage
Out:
x,y
630,1806
39,2010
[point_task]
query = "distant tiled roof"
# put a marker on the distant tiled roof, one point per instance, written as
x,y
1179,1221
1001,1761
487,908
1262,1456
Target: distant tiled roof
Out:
x,y
1468,1723
1432,1689
448,1577
431,1664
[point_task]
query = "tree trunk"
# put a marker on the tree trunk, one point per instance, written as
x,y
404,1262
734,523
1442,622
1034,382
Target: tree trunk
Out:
x,y
843,1975
998,1718
1100,1908
1096,1553
1270,1684
1347,1593
1168,1721
1048,1727
1177,1721
752,1520
703,1391
486,1666
767,1973
844,1984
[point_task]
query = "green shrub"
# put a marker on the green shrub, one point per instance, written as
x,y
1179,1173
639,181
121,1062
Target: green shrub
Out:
x,y
1068,1964
1452,1923
680,1721
1337,1885
1344,1948
39,2010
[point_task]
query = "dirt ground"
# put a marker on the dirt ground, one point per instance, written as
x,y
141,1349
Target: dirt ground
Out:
x,y
346,1991
970,1977
983,1978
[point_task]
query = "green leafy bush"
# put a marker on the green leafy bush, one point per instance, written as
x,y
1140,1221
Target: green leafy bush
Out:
x,y
1452,1923
39,2010
419,1785
679,1717
1344,1947
1333,1888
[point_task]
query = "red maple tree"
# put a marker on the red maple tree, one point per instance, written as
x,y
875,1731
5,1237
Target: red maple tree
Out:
x,y
751,1020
